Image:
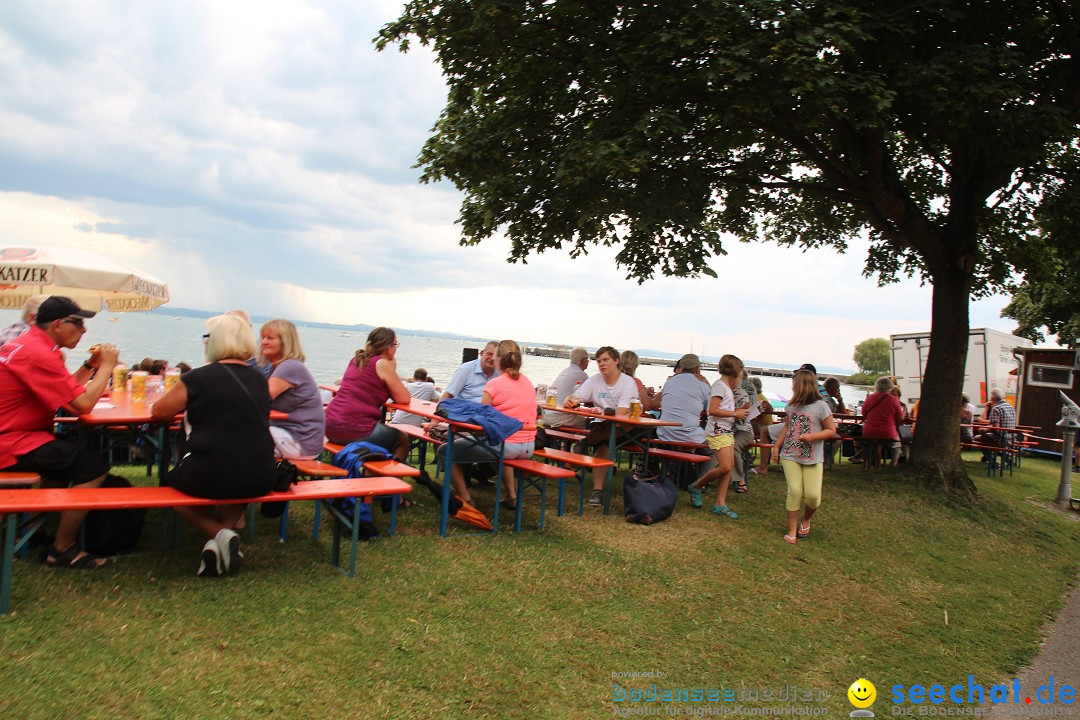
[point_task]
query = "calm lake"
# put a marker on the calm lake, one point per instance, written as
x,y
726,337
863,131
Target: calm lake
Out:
x,y
140,335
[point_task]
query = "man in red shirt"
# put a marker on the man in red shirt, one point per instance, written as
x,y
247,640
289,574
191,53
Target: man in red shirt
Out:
x,y
34,384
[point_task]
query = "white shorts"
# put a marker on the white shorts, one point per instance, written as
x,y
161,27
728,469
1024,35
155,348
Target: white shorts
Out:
x,y
285,446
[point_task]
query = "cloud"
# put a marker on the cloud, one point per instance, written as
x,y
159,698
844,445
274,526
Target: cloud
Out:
x,y
260,155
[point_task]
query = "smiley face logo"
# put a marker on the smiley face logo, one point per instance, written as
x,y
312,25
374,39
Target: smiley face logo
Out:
x,y
862,693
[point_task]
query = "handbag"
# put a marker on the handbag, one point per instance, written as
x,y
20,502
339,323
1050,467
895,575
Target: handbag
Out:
x,y
648,499
283,480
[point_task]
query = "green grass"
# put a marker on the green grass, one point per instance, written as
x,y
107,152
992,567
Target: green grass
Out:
x,y
534,625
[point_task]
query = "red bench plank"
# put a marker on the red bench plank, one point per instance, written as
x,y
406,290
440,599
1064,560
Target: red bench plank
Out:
x,y
392,468
53,499
538,468
572,458
315,468
18,479
676,455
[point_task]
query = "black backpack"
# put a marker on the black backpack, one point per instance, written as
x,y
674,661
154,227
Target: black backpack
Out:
x,y
648,499
111,532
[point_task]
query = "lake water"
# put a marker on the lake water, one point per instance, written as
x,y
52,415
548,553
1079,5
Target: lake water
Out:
x,y
140,335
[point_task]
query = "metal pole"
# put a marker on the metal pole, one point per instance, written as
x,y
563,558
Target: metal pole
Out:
x,y
1070,421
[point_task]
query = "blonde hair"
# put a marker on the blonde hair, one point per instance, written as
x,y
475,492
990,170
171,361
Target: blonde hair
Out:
x,y
804,388
628,362
290,340
378,340
508,355
230,339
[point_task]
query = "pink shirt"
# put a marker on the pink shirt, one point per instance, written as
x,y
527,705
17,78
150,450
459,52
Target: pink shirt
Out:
x,y
34,384
516,398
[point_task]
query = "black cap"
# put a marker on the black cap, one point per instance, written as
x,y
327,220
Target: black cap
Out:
x,y
808,366
58,307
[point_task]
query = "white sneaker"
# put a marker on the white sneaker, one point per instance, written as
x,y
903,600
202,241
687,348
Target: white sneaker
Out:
x,y
229,543
210,566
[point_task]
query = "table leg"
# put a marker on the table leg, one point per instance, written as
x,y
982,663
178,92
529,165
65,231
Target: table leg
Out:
x,y
448,459
6,560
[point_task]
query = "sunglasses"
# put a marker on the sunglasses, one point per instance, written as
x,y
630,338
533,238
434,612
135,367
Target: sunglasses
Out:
x,y
206,336
77,322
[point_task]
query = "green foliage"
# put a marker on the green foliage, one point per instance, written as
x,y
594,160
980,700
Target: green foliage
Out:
x,y
872,356
661,127
1049,296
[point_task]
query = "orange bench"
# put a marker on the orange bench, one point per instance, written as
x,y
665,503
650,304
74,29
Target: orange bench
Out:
x,y
14,502
542,472
582,463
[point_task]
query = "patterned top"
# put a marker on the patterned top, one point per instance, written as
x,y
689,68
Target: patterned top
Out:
x,y
801,420
1003,415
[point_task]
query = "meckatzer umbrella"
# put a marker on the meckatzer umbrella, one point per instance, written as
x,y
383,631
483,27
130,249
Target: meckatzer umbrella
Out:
x,y
94,281
459,509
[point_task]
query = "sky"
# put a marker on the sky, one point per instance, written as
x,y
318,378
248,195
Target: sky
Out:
x,y
260,155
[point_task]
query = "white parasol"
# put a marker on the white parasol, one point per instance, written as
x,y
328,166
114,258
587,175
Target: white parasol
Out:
x,y
92,280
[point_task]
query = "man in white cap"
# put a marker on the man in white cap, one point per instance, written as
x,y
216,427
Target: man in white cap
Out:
x,y
34,384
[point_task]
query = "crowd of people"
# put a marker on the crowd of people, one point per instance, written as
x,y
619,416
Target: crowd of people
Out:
x,y
231,442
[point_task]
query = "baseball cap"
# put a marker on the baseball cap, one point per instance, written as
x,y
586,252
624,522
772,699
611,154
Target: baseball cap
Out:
x,y
689,361
808,366
58,307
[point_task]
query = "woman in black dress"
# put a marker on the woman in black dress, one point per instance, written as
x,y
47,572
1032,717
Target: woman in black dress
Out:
x,y
230,453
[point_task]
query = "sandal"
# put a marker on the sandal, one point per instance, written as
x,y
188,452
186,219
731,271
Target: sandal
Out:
x,y
725,510
74,558
695,496
790,539
740,488
508,504
803,531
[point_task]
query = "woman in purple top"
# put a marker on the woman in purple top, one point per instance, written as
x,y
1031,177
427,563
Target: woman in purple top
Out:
x,y
356,412
292,390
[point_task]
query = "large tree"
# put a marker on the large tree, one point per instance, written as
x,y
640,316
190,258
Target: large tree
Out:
x,y
872,356
1049,297
659,127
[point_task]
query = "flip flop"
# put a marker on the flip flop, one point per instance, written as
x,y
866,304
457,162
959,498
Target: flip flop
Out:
x,y
789,539
803,531
740,488
74,558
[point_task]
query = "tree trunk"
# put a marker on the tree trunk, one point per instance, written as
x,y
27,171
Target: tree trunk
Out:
x,y
936,462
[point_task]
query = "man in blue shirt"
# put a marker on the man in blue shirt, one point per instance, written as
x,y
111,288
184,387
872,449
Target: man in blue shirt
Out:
x,y
469,380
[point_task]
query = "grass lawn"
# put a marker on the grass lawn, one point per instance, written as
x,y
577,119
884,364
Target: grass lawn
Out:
x,y
893,584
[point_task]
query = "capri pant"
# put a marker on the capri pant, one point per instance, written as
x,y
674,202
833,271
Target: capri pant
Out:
x,y
803,481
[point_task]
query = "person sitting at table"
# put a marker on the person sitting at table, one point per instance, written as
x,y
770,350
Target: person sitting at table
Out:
x,y
470,378
967,419
356,412
293,391
34,384
421,388
564,385
26,320
610,391
512,394
229,450
628,364
833,396
882,413
686,400
997,413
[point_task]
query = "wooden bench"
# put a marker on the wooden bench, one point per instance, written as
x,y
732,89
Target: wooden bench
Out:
x,y
1001,455
542,472
563,436
14,502
18,479
582,463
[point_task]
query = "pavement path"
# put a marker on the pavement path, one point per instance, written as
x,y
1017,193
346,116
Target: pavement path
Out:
x,y
1059,658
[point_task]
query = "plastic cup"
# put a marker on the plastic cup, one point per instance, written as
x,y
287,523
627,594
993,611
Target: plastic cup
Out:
x,y
171,378
138,385
119,378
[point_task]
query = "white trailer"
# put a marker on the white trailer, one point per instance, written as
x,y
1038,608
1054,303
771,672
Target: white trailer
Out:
x,y
989,362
